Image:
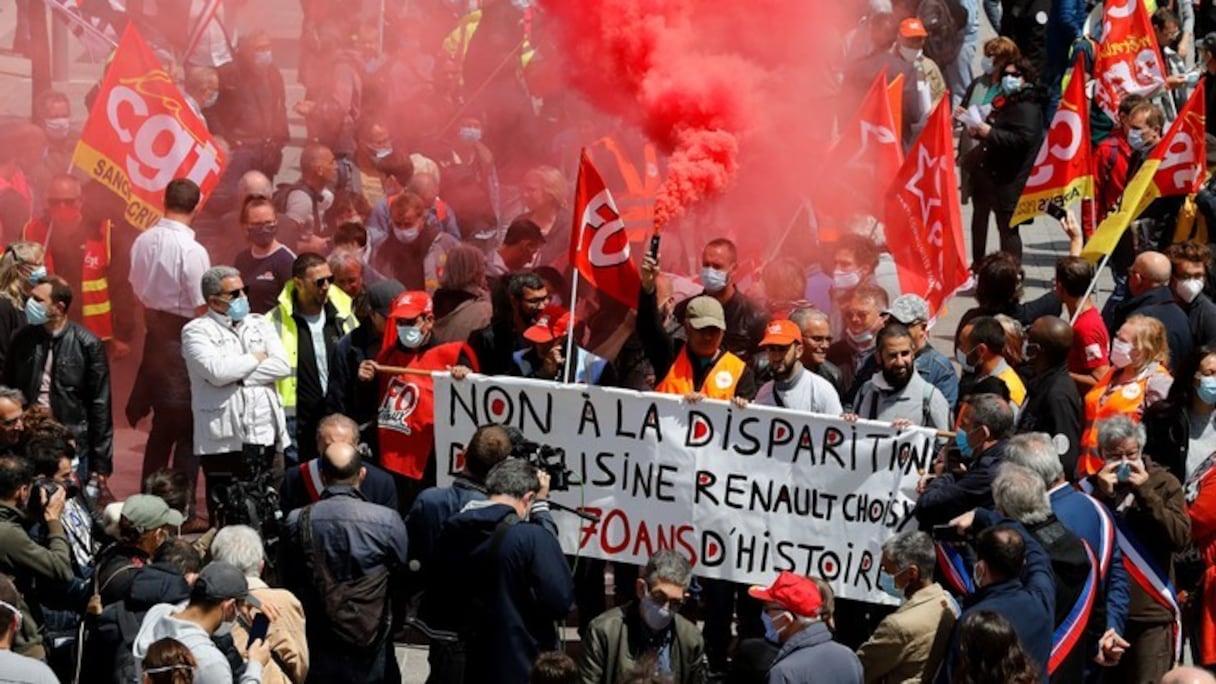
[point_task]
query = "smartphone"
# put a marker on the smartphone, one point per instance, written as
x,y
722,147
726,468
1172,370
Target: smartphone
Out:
x,y
259,628
1056,211
653,251
1124,472
948,533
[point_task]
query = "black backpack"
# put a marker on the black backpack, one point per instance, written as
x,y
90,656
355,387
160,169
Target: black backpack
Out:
x,y
356,610
946,23
279,199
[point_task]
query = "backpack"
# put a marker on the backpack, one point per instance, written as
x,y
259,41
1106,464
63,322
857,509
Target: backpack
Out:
x,y
946,23
357,609
283,190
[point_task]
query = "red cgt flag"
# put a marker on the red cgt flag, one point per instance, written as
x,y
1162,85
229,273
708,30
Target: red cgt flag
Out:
x,y
924,227
141,134
1062,172
866,157
1127,60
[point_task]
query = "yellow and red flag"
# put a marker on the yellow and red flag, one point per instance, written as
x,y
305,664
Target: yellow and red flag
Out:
x,y
141,134
1063,171
1174,167
1127,60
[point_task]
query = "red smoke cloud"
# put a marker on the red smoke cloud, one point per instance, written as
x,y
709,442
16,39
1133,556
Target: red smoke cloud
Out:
x,y
705,79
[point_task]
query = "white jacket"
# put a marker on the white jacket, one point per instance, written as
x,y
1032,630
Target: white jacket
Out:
x,y
232,394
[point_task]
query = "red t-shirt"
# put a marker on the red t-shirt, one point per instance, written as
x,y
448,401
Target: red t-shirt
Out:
x,y
1090,343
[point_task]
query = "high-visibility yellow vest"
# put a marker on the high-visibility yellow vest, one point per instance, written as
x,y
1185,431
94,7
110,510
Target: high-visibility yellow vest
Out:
x,y
285,325
95,309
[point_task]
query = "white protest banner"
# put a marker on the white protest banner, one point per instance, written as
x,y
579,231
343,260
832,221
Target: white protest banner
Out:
x,y
743,493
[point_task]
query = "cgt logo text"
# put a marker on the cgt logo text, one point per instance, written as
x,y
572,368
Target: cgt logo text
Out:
x,y
398,405
159,147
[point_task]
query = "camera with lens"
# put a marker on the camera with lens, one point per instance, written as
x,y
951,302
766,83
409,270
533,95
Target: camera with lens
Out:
x,y
552,460
43,487
251,498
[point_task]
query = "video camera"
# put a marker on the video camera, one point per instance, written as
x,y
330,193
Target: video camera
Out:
x,y
552,460
251,498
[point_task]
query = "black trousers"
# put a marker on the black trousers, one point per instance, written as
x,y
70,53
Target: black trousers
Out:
x,y
1011,239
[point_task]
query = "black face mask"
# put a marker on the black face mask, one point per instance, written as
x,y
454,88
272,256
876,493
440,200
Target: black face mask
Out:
x,y
262,237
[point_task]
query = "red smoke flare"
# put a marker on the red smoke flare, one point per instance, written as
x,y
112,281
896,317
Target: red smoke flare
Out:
x,y
699,77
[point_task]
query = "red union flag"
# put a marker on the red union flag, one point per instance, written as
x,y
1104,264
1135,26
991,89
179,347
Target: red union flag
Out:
x,y
924,227
865,158
1127,60
141,134
608,280
1062,172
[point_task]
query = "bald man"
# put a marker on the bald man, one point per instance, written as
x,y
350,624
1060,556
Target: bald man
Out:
x,y
438,214
303,484
1149,284
309,197
345,538
1053,403
253,183
1188,675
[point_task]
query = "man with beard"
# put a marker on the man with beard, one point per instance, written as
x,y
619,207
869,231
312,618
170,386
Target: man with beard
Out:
x,y
898,394
793,386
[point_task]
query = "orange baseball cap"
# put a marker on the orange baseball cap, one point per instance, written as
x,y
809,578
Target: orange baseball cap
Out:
x,y
781,333
912,28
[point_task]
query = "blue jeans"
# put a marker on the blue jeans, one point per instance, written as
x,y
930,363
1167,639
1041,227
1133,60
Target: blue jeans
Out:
x,y
992,8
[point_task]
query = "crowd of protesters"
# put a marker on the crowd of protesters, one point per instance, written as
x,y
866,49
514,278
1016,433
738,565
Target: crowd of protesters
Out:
x,y
1065,531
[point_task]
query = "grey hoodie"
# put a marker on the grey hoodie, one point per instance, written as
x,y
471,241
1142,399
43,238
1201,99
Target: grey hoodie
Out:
x,y
213,667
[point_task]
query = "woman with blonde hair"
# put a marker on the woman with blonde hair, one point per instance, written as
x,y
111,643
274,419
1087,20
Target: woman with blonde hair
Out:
x,y
1139,377
21,266
546,197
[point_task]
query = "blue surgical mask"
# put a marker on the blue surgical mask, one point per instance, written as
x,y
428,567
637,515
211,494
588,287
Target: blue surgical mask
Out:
x,y
656,617
238,308
713,280
38,275
35,312
410,336
1136,139
986,65
846,280
964,446
470,134
1011,84
961,357
1207,390
886,582
771,633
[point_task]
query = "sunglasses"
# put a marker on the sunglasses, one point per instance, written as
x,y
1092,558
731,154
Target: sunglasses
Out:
x,y
234,294
324,282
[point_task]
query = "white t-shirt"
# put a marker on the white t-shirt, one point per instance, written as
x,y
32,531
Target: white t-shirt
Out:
x,y
808,392
316,326
19,669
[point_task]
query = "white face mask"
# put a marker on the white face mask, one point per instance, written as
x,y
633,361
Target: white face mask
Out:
x,y
846,280
910,54
225,628
406,235
1187,290
1120,353
713,280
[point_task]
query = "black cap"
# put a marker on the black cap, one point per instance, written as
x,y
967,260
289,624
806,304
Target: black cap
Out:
x,y
380,295
220,581
1208,43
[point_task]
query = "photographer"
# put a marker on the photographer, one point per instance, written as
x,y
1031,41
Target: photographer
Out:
x,y
20,557
233,358
497,582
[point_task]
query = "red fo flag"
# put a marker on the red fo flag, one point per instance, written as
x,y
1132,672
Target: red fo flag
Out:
x,y
1062,172
865,158
924,228
608,279
1127,60
141,134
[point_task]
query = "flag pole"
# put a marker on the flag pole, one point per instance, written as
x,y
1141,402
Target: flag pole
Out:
x,y
1090,290
577,236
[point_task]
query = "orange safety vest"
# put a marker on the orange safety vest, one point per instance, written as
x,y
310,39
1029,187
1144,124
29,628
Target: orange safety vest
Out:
x,y
1102,402
719,383
95,313
636,203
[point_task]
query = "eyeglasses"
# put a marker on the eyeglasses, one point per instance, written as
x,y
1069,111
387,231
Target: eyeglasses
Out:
x,y
62,201
261,226
324,282
660,599
234,294
1121,455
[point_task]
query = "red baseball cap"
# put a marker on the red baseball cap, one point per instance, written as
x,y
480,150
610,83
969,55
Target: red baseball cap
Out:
x,y
410,305
781,333
912,28
551,324
795,593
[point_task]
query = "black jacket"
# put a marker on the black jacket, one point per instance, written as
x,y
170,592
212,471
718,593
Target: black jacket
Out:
x,y
1002,161
1201,314
345,394
1053,405
80,386
949,495
1158,303
110,635
1168,436
1070,568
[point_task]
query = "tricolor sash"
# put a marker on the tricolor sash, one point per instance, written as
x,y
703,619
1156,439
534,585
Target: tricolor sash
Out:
x,y
1107,522
310,475
1069,632
954,570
